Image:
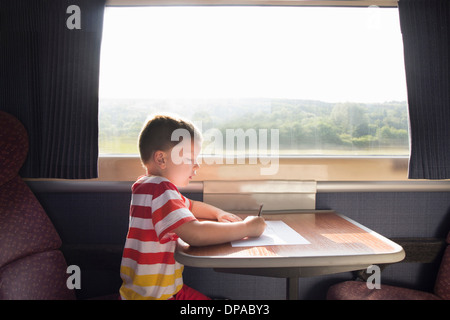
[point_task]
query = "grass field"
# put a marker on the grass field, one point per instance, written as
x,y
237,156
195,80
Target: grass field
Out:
x,y
129,147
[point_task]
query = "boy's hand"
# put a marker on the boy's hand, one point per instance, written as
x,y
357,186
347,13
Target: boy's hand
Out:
x,y
256,225
224,216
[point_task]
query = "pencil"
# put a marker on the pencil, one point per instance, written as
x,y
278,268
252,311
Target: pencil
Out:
x,y
260,210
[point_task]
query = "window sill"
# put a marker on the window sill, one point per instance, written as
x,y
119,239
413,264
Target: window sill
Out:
x,y
128,168
376,174
352,3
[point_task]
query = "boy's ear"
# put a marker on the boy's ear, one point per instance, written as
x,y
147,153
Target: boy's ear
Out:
x,y
160,158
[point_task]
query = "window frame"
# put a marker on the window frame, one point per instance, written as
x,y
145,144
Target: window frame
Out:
x,y
323,168
316,3
128,168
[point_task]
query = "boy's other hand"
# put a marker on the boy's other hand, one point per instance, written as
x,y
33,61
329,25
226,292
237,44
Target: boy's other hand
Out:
x,y
224,216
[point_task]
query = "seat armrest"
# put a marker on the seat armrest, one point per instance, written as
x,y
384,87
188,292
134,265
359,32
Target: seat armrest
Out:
x,y
422,250
417,250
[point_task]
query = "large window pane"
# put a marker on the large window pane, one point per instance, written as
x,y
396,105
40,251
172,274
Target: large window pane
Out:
x,y
311,81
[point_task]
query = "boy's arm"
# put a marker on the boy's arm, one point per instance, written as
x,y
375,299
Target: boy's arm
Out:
x,y
203,233
203,210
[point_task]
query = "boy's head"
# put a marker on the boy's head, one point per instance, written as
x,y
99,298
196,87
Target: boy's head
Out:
x,y
159,137
158,134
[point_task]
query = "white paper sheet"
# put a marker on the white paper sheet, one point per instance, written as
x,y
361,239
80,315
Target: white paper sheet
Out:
x,y
276,233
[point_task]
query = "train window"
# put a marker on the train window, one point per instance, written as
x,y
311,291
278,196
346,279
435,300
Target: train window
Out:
x,y
290,81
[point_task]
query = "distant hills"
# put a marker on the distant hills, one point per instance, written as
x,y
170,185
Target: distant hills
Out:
x,y
305,126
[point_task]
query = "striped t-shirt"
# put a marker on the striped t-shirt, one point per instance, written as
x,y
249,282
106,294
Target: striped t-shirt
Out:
x,y
148,269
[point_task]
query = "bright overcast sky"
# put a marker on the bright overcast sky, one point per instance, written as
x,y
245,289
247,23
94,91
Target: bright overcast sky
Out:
x,y
341,54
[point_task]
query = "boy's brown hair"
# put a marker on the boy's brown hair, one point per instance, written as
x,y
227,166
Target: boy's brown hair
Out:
x,y
157,135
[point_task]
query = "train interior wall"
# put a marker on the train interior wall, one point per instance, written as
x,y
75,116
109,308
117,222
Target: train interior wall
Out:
x,y
93,226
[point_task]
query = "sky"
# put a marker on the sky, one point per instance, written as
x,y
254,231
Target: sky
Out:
x,y
327,54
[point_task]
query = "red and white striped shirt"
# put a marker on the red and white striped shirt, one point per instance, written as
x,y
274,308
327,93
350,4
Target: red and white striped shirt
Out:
x,y
148,269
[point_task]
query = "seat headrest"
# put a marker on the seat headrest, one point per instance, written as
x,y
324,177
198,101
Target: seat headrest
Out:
x,y
13,146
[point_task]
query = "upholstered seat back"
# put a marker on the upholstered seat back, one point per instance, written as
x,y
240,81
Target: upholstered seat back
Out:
x,y
31,265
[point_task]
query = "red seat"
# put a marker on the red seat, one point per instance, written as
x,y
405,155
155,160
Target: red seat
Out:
x,y
31,264
358,290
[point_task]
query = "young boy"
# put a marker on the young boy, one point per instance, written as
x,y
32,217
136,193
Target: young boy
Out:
x,y
159,214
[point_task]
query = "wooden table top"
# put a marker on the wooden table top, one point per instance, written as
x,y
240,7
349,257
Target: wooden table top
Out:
x,y
335,240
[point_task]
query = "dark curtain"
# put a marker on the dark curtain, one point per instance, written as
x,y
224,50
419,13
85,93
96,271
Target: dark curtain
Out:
x,y
49,78
425,27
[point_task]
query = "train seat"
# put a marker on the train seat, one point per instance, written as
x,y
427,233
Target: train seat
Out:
x,y
358,290
31,265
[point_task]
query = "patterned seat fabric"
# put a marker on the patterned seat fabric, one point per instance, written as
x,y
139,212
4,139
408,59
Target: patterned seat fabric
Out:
x,y
357,290
31,265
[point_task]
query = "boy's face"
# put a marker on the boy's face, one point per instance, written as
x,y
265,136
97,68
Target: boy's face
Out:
x,y
182,163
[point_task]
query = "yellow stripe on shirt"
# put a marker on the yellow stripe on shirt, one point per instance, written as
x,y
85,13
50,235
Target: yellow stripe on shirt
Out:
x,y
158,279
129,294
